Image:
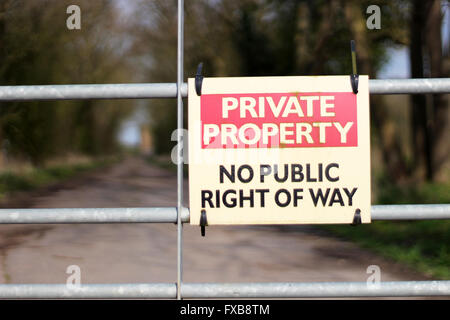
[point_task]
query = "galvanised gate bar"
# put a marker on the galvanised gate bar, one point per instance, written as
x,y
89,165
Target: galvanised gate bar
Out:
x,y
213,290
180,214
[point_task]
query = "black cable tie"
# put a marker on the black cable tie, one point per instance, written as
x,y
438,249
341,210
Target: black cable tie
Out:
x,y
203,222
354,77
199,79
356,218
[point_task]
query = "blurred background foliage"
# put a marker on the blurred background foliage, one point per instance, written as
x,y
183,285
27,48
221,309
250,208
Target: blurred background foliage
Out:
x,y
135,41
293,37
410,149
37,48
124,41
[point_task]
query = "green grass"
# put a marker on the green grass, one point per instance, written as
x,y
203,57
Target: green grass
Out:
x,y
422,245
427,193
13,182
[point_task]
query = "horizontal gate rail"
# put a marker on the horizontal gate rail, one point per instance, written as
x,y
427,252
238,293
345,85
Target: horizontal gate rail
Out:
x,y
411,212
89,291
169,214
316,289
91,91
227,290
169,90
92,215
409,86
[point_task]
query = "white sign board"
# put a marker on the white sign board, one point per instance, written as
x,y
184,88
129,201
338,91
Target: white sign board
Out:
x,y
279,150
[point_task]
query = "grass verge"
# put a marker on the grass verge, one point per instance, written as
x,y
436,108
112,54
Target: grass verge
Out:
x,y
11,182
422,245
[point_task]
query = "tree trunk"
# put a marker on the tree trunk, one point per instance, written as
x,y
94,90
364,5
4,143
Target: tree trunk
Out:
x,y
440,116
421,140
389,142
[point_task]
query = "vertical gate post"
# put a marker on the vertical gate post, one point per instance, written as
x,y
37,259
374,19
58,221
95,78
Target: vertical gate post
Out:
x,y
180,146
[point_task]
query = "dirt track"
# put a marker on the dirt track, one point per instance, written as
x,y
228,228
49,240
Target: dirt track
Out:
x,y
123,253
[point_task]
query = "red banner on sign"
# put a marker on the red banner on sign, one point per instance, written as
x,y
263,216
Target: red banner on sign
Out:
x,y
279,120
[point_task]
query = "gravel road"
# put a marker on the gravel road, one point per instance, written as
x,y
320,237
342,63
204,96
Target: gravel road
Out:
x,y
121,253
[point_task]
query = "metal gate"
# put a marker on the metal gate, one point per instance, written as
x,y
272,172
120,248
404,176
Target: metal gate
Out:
x,y
180,214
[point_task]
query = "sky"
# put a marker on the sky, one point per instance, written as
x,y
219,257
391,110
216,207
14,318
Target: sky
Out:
x,y
130,133
398,64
